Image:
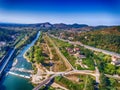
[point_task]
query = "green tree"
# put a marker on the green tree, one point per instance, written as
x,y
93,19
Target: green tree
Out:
x,y
110,69
103,82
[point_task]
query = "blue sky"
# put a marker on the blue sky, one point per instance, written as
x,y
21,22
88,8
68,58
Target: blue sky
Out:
x,y
91,12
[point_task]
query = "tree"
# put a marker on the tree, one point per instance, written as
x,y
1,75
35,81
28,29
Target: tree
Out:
x,y
90,83
110,69
103,82
113,82
118,71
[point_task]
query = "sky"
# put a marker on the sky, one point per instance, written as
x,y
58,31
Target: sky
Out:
x,y
91,12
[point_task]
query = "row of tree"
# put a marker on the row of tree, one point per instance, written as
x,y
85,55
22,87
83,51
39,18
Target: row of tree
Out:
x,y
35,53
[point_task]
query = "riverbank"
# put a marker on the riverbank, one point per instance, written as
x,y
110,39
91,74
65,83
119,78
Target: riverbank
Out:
x,y
15,62
22,62
24,55
38,69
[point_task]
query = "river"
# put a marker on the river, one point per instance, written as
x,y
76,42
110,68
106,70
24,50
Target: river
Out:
x,y
13,82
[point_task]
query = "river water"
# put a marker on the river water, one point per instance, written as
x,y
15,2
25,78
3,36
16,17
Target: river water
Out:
x,y
13,82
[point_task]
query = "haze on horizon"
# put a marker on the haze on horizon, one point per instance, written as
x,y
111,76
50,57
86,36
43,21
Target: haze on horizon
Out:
x,y
91,12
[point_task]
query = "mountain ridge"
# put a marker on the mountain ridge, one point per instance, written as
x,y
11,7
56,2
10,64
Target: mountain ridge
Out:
x,y
48,25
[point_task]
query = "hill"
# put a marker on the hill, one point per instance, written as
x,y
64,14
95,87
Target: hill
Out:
x,y
108,39
49,26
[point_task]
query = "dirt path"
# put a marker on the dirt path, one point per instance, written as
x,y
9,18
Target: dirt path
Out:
x,y
85,83
68,65
49,49
55,85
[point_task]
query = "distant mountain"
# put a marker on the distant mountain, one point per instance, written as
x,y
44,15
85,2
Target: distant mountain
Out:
x,y
101,27
78,25
61,26
68,26
41,25
48,25
12,25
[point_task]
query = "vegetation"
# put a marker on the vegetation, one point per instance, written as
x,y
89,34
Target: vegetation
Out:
x,y
89,82
103,61
39,53
108,39
11,38
104,64
47,88
89,54
5,34
35,53
26,40
59,64
89,60
108,83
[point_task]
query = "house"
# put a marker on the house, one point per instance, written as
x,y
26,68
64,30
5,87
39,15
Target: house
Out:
x,y
70,38
76,49
70,50
78,55
115,60
82,56
62,36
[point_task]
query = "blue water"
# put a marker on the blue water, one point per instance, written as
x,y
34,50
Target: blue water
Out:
x,y
12,82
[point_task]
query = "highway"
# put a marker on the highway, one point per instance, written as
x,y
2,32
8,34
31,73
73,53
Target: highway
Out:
x,y
90,47
6,62
95,73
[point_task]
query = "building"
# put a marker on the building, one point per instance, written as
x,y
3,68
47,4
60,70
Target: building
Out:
x,y
70,50
76,49
115,60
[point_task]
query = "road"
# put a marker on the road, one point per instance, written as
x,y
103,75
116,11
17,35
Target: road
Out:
x,y
113,76
90,47
55,85
88,72
46,81
97,73
6,62
62,56
74,71
85,83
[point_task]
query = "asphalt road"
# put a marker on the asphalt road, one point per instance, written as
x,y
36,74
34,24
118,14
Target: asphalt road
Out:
x,y
90,47
6,61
